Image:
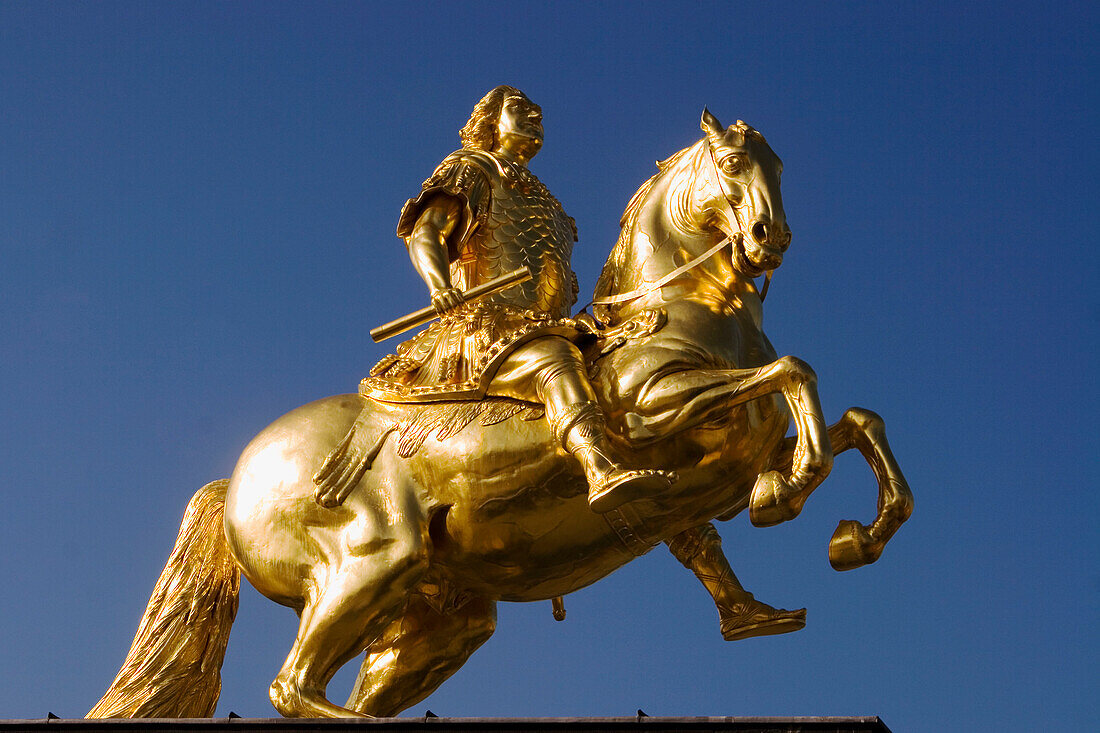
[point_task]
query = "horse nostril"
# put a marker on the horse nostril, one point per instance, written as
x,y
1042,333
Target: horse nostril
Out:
x,y
759,232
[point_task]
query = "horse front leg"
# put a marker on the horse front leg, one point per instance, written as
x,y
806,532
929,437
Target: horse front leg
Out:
x,y
776,498
853,544
694,396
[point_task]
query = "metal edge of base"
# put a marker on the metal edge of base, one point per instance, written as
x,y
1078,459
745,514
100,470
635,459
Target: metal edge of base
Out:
x,y
809,724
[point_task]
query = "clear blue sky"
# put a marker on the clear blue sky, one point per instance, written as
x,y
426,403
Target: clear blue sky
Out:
x,y
197,211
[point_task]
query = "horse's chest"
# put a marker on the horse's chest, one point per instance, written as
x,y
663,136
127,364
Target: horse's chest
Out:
x,y
719,335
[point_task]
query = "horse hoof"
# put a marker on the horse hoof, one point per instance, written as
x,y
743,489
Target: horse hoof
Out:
x,y
292,701
773,500
852,546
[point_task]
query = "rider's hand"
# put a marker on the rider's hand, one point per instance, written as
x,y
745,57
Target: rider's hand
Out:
x,y
447,300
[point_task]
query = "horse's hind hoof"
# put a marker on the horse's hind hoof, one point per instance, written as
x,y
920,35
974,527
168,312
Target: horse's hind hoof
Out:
x,y
293,702
773,500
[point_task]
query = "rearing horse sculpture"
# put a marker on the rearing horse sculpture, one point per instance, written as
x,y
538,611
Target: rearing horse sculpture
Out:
x,y
440,527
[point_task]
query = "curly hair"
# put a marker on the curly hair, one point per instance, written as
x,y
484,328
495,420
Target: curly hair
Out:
x,y
480,131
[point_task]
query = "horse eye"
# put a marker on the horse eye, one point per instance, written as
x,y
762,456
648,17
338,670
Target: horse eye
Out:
x,y
732,165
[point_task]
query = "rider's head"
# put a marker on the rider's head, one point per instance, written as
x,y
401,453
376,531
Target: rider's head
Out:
x,y
504,118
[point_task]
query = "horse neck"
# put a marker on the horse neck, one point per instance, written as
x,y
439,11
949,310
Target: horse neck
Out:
x,y
667,215
659,227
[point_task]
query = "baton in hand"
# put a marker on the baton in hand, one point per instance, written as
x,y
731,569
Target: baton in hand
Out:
x,y
422,316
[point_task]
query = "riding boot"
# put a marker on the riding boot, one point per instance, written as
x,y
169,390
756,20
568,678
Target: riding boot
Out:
x,y
741,615
580,428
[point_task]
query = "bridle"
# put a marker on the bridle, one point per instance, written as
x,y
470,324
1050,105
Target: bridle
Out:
x,y
639,292
732,208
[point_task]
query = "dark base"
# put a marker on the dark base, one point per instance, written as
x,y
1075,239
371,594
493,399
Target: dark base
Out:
x,y
466,725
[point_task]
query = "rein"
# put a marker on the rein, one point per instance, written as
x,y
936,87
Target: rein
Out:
x,y
635,294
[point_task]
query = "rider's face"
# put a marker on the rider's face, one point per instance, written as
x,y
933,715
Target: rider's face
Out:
x,y
520,123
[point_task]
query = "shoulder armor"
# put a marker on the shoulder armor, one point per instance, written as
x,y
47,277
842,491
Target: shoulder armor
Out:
x,y
465,175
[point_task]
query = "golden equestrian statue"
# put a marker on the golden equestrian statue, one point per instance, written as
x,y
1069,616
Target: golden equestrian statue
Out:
x,y
512,451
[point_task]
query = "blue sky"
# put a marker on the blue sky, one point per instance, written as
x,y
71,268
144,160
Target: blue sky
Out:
x,y
197,211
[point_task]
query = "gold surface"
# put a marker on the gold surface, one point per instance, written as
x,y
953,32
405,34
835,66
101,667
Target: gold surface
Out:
x,y
422,316
511,452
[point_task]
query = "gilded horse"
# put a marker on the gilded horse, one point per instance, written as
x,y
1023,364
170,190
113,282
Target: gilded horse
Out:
x,y
447,521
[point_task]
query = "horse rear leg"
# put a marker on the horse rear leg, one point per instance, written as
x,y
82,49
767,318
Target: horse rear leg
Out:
x,y
418,652
853,544
354,605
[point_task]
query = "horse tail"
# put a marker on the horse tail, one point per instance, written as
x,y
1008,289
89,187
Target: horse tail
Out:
x,y
173,667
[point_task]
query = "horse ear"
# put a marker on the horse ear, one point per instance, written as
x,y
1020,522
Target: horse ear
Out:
x,y
710,124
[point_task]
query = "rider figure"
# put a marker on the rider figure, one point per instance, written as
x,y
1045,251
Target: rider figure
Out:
x,y
480,215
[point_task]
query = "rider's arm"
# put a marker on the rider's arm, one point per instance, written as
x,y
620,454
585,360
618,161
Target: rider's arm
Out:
x,y
428,250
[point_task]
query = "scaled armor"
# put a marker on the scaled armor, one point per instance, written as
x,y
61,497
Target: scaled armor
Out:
x,y
509,220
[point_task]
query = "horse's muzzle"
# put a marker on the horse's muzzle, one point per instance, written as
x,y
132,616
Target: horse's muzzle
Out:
x,y
771,234
756,259
766,243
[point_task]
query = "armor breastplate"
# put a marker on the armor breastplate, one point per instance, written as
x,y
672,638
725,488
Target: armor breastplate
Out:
x,y
524,225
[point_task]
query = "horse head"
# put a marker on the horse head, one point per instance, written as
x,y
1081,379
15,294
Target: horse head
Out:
x,y
726,183
744,202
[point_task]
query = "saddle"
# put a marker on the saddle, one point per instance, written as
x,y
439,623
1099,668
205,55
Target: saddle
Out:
x,y
345,465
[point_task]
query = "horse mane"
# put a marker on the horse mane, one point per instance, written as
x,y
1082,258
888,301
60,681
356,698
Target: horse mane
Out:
x,y
607,283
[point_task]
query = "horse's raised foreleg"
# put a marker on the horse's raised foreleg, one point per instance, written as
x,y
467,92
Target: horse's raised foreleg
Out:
x,y
776,498
853,544
694,396
418,652
353,605
741,615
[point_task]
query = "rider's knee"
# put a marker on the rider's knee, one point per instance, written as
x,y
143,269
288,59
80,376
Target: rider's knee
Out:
x,y
529,370
554,357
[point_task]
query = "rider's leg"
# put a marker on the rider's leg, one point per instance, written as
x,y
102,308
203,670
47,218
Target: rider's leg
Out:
x,y
552,368
741,615
418,652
